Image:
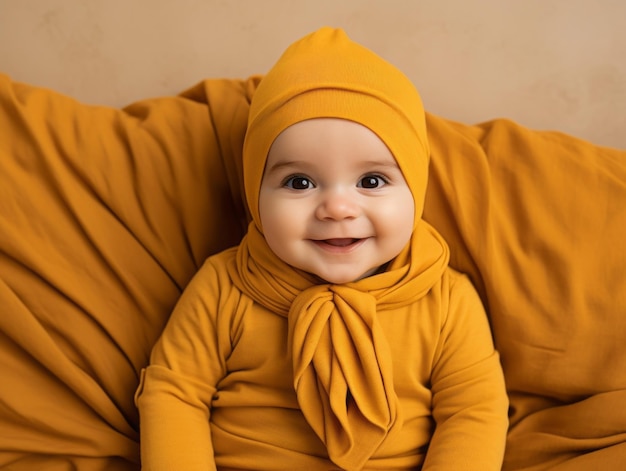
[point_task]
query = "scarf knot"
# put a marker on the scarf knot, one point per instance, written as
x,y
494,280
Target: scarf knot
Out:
x,y
343,368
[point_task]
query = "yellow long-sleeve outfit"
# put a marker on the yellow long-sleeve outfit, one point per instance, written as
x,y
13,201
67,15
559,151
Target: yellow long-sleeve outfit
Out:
x,y
219,393
265,367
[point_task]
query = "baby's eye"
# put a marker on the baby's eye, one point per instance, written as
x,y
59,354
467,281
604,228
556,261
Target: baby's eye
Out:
x,y
298,183
372,181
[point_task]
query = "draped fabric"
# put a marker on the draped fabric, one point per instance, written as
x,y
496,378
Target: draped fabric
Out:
x,y
343,374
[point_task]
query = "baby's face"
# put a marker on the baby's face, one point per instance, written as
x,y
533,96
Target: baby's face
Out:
x,y
333,201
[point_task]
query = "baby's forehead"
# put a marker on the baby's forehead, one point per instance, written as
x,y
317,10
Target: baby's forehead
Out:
x,y
330,127
338,143
316,132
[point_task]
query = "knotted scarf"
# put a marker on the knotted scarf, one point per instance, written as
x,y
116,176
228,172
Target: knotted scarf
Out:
x,y
342,365
343,371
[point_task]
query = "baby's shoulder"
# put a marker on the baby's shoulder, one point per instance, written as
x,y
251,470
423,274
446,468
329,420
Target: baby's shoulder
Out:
x,y
222,258
456,280
212,278
459,291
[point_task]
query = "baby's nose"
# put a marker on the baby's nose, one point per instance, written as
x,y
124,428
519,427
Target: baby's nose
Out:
x,y
338,204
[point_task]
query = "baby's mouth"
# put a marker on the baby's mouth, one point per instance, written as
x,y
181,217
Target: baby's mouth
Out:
x,y
343,242
339,245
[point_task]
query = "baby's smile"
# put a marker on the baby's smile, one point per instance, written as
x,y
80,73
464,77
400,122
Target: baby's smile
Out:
x,y
339,244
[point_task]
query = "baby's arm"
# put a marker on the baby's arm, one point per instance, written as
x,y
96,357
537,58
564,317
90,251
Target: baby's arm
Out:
x,y
176,390
469,397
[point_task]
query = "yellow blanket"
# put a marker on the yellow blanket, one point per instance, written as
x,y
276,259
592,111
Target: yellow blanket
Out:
x,y
105,214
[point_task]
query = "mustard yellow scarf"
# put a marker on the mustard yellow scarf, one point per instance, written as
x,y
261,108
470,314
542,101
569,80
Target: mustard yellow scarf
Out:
x,y
343,372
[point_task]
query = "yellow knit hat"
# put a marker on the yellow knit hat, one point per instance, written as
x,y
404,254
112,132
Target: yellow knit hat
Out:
x,y
327,75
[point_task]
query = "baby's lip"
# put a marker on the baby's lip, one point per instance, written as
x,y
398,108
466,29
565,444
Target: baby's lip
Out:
x,y
340,242
339,245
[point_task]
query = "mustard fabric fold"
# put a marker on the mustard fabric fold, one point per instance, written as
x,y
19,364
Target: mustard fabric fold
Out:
x,y
105,215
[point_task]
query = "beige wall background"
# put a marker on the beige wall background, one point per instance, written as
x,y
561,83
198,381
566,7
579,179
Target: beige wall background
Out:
x,y
548,64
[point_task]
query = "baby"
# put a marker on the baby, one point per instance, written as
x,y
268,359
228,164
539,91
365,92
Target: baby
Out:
x,y
335,336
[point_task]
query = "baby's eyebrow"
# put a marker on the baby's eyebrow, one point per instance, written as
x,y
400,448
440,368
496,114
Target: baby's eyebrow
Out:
x,y
304,165
286,164
381,163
